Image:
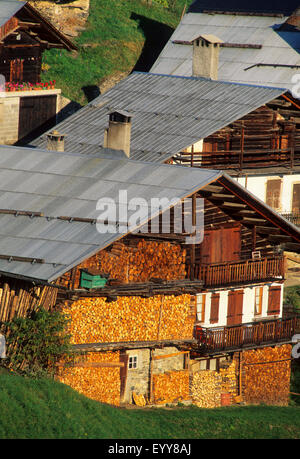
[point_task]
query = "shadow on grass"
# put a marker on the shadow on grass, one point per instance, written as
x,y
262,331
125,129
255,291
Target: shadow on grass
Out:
x,y
156,35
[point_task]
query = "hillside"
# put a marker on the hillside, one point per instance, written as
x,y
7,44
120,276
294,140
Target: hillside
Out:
x,y
46,409
119,37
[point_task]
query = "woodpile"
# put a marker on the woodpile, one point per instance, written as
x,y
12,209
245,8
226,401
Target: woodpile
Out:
x,y
148,259
19,298
171,387
101,383
266,375
229,383
138,261
206,388
130,319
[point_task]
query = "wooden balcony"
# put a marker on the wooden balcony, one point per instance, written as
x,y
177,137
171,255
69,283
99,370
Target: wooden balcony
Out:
x,y
246,335
240,160
241,272
293,217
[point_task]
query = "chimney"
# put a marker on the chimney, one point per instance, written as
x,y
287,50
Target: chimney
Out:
x,y
117,135
206,56
55,141
293,22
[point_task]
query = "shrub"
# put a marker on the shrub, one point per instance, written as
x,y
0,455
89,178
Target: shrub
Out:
x,y
36,343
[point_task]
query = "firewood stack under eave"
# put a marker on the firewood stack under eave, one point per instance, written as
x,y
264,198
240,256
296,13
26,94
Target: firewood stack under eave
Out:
x,y
93,320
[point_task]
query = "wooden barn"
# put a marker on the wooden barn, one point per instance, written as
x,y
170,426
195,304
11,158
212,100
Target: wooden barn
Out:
x,y
251,132
160,311
27,107
24,35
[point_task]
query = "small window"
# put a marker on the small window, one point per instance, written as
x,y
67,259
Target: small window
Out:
x,y
258,301
133,362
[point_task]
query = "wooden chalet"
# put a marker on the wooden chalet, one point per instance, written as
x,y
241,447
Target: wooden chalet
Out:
x,y
154,318
24,35
28,107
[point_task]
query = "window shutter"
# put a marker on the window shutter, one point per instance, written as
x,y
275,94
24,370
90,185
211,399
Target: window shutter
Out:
x,y
274,300
214,308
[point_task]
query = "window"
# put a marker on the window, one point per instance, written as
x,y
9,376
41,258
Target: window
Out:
x,y
133,362
201,307
258,301
273,193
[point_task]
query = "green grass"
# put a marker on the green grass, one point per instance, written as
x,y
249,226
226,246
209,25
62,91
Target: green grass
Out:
x,y
124,35
40,409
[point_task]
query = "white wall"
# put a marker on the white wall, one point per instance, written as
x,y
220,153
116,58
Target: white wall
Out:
x,y
258,184
248,305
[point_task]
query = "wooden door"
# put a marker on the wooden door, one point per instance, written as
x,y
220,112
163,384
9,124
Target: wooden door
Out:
x,y
16,70
296,198
37,114
235,307
221,245
274,300
273,193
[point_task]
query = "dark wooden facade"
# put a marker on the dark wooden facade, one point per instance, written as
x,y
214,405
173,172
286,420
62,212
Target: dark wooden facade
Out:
x,y
267,137
24,37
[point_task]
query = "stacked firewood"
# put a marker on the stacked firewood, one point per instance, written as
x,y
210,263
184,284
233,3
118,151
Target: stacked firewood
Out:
x,y
206,388
101,383
148,259
171,387
130,319
266,375
229,379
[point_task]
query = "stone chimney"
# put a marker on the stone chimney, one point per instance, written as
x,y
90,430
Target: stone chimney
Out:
x,y
118,134
55,141
206,56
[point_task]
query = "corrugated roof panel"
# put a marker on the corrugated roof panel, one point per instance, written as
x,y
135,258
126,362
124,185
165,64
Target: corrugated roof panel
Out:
x,y
58,187
168,113
277,48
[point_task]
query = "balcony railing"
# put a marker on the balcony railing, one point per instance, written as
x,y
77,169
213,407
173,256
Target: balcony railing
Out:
x,y
263,269
251,334
293,217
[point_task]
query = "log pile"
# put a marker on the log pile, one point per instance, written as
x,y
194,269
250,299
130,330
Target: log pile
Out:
x,y
148,259
98,383
138,262
264,382
206,388
130,319
19,298
229,383
171,387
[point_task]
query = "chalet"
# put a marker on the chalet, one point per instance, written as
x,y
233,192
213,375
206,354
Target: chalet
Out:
x,y
251,132
26,105
156,317
259,42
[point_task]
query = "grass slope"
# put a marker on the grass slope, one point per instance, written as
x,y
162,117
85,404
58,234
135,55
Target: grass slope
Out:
x,y
40,409
120,36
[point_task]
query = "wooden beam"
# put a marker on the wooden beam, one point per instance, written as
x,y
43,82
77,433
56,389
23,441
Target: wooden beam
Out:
x,y
213,188
280,238
97,365
233,205
166,356
267,230
291,247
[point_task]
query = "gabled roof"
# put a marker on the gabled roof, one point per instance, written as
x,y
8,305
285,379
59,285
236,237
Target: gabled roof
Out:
x,y
255,6
25,13
168,113
255,50
48,205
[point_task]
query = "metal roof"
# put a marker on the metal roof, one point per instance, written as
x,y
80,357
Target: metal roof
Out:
x,y
70,185
280,48
8,8
168,113
255,6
